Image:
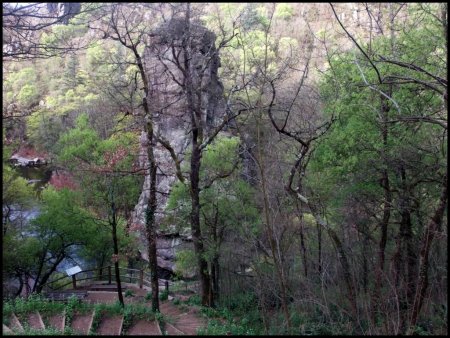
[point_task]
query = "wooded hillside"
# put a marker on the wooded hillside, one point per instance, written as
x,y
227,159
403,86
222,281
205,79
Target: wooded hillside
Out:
x,y
291,158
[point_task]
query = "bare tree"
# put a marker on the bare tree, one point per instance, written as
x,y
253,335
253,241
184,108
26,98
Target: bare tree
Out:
x,y
23,25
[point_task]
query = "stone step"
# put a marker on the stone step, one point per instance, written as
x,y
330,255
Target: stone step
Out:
x,y
15,324
112,288
34,320
57,321
172,330
189,323
169,309
110,326
143,327
81,323
6,330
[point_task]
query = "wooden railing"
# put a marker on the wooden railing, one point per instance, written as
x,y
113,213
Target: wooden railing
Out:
x,y
105,274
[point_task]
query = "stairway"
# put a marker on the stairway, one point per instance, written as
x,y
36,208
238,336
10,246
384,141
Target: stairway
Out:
x,y
181,322
178,322
142,327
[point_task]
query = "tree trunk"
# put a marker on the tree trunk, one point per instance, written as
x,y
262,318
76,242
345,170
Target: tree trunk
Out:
x,y
302,242
319,249
405,256
275,250
197,139
422,284
341,253
150,225
47,275
21,283
205,281
116,253
387,205
215,274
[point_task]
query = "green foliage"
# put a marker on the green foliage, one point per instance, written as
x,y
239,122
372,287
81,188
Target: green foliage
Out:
x,y
129,293
227,201
216,327
48,331
44,129
35,302
28,95
194,300
15,189
104,185
164,295
148,296
186,263
284,11
21,87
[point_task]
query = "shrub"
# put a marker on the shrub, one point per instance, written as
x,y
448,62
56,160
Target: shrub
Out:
x,y
164,295
148,296
194,300
129,293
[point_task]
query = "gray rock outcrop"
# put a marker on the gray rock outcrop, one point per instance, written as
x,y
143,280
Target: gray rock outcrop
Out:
x,y
172,122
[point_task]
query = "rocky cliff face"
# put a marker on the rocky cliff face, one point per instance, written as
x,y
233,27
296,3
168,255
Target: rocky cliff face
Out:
x,y
172,122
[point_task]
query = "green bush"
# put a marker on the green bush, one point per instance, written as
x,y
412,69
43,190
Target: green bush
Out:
x,y
194,300
148,296
129,293
164,295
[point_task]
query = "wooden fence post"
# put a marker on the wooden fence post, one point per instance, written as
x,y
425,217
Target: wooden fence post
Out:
x,y
74,281
141,279
167,285
109,274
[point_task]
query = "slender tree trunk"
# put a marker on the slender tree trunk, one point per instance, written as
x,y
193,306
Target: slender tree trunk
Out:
x,y
116,253
387,205
405,256
276,254
302,242
341,253
41,266
150,220
47,275
422,284
319,250
205,281
197,139
215,273
150,224
21,283
346,271
365,246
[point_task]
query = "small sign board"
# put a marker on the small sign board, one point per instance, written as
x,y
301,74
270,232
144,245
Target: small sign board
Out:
x,y
73,270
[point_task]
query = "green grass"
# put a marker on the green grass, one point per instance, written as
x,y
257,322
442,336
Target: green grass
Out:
x,y
46,332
